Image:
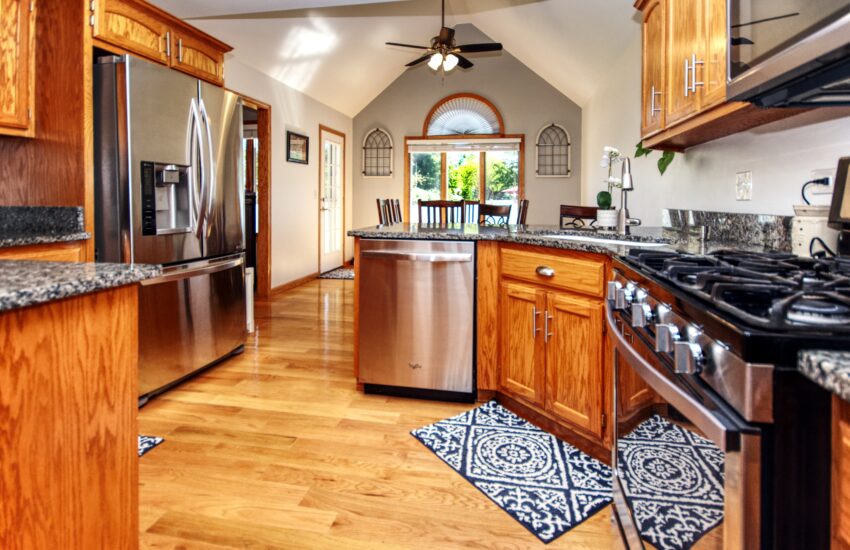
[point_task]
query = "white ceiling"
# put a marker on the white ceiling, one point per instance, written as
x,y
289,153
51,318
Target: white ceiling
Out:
x,y
334,51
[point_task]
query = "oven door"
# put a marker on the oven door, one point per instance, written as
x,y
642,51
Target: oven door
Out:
x,y
687,468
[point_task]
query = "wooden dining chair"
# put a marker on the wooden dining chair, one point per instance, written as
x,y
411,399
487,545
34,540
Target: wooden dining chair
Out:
x,y
384,212
575,216
441,212
395,211
522,212
494,214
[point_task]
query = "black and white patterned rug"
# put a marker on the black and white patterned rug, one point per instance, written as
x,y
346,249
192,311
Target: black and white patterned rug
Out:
x,y
339,273
547,485
673,479
147,442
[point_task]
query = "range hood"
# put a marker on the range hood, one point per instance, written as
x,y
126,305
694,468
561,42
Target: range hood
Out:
x,y
813,71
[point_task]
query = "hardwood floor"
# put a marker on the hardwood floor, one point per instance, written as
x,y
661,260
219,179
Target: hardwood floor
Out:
x,y
277,449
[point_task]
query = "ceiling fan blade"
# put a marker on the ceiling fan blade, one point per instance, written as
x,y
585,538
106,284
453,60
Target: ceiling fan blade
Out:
x,y
476,48
406,45
463,62
416,62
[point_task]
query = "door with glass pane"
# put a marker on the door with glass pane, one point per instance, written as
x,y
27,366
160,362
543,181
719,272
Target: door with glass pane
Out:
x,y
425,180
331,201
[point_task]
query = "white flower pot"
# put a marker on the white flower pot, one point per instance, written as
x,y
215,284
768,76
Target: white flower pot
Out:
x,y
606,218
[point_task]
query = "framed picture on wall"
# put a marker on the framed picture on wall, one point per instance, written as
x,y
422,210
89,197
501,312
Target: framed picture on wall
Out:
x,y
297,148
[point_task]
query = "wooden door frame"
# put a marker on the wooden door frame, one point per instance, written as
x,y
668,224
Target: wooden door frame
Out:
x,y
263,271
443,175
328,129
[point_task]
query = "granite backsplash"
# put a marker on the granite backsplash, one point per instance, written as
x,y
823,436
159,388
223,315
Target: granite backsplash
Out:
x,y
41,220
772,232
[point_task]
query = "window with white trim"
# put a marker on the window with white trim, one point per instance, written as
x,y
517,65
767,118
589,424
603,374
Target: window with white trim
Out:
x,y
554,155
378,154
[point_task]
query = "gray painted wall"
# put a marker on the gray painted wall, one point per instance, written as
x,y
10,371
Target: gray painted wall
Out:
x,y
527,104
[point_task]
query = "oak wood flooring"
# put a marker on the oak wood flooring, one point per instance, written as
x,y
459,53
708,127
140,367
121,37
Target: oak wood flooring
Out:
x,y
276,448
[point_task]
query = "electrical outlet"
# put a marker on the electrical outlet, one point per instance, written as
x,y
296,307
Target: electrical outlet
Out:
x,y
744,186
828,173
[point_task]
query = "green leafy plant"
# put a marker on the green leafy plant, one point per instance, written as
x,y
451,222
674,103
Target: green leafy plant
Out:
x,y
604,200
663,163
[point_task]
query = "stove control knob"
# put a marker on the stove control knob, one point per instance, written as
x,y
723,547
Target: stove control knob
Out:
x,y
613,286
641,315
622,298
665,336
688,358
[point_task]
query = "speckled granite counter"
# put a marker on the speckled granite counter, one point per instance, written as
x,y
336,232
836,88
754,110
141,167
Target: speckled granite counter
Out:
x,y
26,225
27,283
829,369
545,235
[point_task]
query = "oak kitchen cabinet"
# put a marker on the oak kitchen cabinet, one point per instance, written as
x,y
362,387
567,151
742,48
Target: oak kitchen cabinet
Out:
x,y
73,251
17,60
840,473
138,27
552,337
684,74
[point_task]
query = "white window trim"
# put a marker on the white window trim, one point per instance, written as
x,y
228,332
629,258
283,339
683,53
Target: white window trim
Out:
x,y
363,155
569,173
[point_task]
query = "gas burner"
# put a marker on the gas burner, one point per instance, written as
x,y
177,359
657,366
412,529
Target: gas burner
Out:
x,y
812,311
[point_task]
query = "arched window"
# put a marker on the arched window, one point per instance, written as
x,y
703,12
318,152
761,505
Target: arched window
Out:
x,y
554,156
378,154
463,114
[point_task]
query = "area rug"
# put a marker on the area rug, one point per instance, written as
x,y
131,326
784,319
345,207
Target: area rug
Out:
x,y
147,442
339,273
674,481
547,485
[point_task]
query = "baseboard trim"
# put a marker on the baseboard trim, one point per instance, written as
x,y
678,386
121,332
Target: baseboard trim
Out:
x,y
296,283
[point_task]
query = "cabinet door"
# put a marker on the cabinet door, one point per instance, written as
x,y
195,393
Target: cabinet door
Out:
x,y
17,67
840,473
523,364
197,57
132,26
654,60
575,382
685,42
714,72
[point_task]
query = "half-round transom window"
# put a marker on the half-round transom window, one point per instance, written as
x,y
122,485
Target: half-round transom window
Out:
x,y
464,114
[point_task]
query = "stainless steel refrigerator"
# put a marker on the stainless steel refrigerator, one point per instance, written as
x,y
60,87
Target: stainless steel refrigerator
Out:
x,y
168,190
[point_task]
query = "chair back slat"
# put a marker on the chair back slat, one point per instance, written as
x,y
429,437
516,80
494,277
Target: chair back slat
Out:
x,y
522,213
383,212
442,212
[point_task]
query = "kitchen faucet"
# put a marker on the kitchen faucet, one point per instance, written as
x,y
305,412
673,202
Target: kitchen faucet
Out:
x,y
624,222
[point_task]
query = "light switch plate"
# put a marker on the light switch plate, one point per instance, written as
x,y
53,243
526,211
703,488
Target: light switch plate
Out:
x,y
744,186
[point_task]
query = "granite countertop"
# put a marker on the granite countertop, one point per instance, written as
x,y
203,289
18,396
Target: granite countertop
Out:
x,y
27,225
27,283
829,369
545,235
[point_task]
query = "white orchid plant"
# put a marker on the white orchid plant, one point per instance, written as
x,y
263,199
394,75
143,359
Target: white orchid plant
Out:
x,y
611,157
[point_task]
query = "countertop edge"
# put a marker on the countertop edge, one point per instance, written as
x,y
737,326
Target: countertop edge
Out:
x,y
829,369
12,242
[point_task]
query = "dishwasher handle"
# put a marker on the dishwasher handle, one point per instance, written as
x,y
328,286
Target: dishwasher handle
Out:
x,y
432,257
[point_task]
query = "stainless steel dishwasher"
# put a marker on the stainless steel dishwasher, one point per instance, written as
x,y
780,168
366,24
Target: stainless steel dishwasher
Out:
x,y
417,318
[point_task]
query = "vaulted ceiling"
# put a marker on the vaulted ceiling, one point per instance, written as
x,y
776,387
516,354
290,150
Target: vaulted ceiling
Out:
x,y
334,51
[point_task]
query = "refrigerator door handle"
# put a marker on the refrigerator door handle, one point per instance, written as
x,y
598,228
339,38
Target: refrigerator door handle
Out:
x,y
198,168
209,183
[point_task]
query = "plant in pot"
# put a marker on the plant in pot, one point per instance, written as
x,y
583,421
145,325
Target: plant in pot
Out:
x,y
606,215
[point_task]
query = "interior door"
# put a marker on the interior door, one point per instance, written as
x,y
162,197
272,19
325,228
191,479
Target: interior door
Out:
x,y
522,347
574,371
331,201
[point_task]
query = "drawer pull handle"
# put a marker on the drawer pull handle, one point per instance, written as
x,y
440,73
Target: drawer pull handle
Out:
x,y
545,271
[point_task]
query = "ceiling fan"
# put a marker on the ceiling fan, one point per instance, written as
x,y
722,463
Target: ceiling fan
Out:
x,y
445,52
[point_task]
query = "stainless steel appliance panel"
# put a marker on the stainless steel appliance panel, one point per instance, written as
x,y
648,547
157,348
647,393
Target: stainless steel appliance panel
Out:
x,y
417,314
163,128
224,219
193,315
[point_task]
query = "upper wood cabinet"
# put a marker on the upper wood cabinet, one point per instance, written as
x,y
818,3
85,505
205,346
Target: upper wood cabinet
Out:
x,y
17,67
137,27
684,73
654,55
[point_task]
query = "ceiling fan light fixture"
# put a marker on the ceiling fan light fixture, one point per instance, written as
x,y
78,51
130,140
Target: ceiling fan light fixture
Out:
x,y
436,61
450,62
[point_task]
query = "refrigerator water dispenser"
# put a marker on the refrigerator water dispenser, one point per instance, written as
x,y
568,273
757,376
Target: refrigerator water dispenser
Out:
x,y
166,199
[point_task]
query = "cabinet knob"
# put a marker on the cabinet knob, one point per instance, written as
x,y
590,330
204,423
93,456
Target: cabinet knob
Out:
x,y
612,289
545,271
641,315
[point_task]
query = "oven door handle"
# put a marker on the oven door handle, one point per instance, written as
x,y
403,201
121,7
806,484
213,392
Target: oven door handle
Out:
x,y
707,422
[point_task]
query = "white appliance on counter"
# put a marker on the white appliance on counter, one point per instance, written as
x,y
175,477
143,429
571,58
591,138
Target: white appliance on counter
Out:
x,y
810,230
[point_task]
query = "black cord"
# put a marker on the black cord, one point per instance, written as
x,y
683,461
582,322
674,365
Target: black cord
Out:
x,y
819,181
822,253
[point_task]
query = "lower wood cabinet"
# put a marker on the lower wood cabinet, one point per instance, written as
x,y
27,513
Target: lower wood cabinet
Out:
x,y
51,252
575,369
523,351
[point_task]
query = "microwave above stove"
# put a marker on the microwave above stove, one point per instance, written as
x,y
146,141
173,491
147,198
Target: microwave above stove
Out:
x,y
794,53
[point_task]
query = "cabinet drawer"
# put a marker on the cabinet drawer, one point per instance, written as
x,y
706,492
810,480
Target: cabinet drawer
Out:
x,y
54,252
576,274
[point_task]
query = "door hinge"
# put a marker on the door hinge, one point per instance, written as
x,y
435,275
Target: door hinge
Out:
x,y
604,421
92,10
29,114
32,6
